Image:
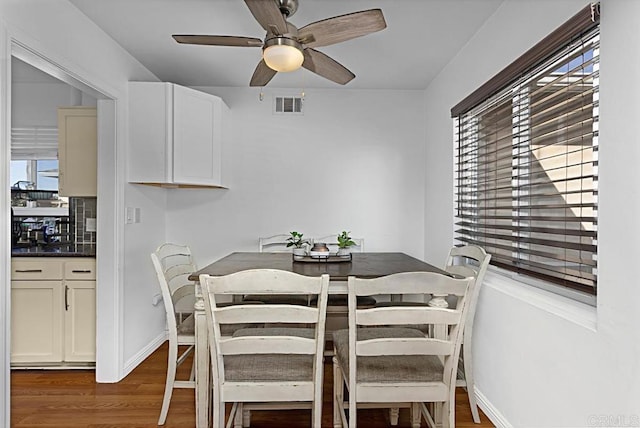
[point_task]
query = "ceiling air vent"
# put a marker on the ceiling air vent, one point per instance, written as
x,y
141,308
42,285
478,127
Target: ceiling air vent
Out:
x,y
287,105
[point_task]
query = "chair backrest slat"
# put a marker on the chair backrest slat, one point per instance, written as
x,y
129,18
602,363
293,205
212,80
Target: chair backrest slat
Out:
x,y
403,315
295,314
404,346
178,271
274,244
268,345
411,283
267,281
182,292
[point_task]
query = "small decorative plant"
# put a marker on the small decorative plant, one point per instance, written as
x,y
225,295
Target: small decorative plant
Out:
x,y
296,241
344,240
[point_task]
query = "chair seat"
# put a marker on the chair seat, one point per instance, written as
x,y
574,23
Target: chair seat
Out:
x,y
392,369
275,299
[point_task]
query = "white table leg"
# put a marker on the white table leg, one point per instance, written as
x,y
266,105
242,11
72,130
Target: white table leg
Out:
x,y
202,362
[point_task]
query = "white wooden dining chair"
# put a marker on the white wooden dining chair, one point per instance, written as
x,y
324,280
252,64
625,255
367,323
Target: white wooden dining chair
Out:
x,y
466,261
265,368
338,301
384,364
173,264
274,244
469,260
277,244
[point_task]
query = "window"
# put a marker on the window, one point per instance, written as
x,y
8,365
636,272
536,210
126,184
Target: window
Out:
x,y
527,160
42,172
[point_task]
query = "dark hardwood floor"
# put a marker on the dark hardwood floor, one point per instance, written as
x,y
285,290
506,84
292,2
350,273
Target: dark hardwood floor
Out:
x,y
71,398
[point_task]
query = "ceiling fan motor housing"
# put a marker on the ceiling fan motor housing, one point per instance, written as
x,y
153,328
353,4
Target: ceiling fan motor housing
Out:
x,y
287,7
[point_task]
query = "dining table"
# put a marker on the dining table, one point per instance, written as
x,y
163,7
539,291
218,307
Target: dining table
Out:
x,y
362,265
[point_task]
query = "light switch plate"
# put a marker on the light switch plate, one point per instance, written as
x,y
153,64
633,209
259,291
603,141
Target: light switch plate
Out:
x,y
132,215
129,216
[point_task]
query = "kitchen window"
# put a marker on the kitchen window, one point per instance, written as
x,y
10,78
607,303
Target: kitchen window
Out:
x,y
527,160
43,173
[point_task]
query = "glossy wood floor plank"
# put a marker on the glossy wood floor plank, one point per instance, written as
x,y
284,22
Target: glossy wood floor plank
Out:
x,y
71,399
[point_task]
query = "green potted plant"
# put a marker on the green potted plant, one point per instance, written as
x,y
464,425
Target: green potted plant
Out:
x,y
298,244
344,242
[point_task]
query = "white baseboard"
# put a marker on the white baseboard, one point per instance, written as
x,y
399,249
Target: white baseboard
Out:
x,y
491,411
138,358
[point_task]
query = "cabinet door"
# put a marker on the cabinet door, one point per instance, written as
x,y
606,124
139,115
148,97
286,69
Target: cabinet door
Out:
x,y
80,321
150,127
77,151
197,137
36,321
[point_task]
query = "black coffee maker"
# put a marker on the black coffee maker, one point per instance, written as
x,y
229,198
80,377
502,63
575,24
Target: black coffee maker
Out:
x,y
16,230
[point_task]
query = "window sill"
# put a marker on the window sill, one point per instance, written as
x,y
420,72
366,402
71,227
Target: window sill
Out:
x,y
578,313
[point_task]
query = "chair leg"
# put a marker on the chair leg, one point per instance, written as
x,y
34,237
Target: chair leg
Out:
x,y
438,412
218,410
246,418
353,408
338,394
316,413
468,377
238,417
416,415
171,377
394,414
449,415
192,376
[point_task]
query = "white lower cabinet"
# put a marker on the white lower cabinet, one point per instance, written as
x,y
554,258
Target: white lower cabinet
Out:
x,y
53,311
36,321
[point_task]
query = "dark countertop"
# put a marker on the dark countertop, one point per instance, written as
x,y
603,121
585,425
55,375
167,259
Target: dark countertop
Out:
x,y
65,250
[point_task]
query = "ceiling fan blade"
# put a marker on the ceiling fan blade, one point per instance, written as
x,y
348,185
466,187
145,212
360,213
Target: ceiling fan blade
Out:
x,y
268,14
262,75
194,39
341,28
326,67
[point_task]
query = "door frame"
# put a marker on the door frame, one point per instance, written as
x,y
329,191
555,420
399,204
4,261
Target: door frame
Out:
x,y
110,217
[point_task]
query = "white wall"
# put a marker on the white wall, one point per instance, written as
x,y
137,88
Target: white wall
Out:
x,y
354,161
36,104
539,360
57,31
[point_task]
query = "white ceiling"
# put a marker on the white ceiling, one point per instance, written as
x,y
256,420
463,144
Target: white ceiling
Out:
x,y
421,37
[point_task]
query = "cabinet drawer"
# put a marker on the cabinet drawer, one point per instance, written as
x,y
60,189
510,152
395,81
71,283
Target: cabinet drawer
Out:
x,y
36,269
80,270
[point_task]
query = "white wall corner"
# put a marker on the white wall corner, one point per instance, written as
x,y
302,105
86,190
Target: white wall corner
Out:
x,y
143,353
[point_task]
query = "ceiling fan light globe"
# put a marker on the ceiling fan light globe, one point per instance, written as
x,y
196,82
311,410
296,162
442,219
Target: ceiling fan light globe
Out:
x,y
283,58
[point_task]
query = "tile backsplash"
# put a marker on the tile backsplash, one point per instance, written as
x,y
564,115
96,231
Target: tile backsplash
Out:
x,y
80,209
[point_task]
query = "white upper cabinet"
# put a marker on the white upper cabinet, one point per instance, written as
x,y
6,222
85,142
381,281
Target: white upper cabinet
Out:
x,y
77,151
176,135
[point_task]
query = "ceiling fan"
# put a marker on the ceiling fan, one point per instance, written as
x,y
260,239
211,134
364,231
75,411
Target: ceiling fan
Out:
x,y
287,48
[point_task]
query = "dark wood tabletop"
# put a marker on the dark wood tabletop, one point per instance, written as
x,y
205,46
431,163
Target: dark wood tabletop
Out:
x,y
362,265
